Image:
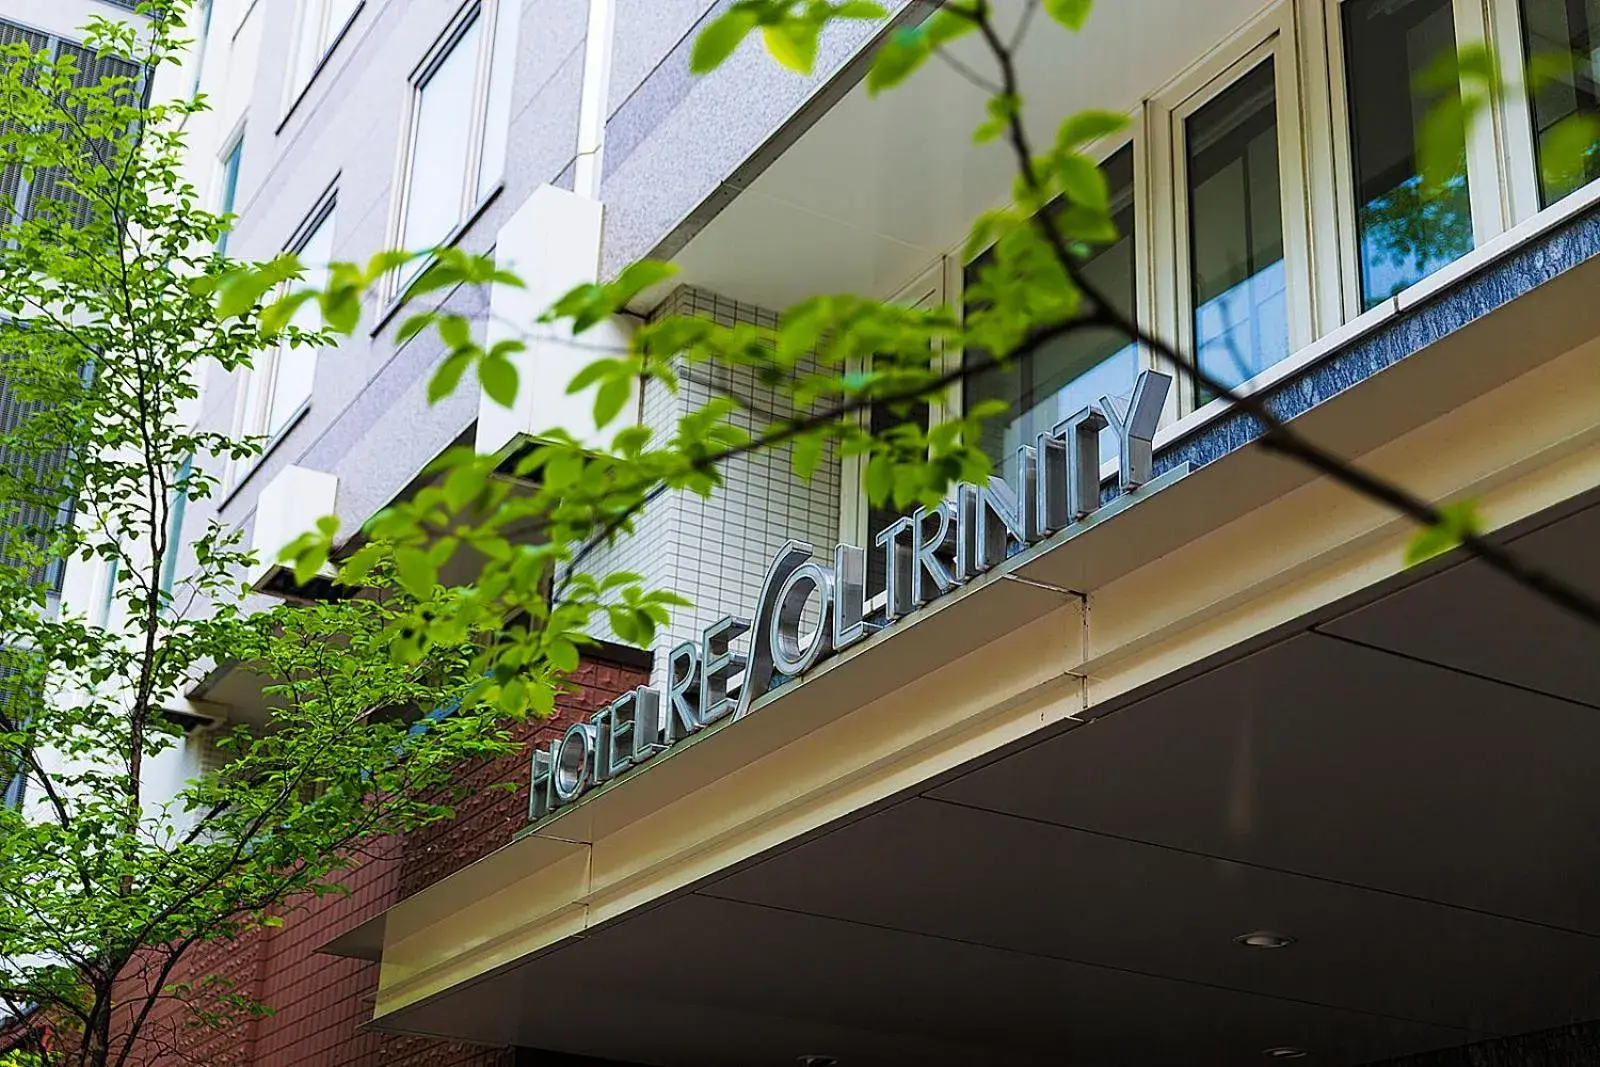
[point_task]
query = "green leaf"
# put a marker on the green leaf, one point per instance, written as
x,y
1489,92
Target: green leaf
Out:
x,y
610,400
637,277
456,332
563,655
860,9
499,380
1002,109
1567,151
600,368
1458,521
415,572
1084,183
414,325
793,44
342,310
277,315
807,455
448,376
718,40
383,262
1086,127
1070,13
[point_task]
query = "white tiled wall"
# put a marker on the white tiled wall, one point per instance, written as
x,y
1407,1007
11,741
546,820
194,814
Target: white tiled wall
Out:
x,y
715,550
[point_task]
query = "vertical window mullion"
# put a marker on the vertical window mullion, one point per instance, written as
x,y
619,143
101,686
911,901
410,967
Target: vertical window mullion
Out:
x,y
1491,210
1514,114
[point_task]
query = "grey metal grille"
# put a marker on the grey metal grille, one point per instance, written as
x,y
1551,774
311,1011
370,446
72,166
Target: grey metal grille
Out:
x,y
12,188
51,189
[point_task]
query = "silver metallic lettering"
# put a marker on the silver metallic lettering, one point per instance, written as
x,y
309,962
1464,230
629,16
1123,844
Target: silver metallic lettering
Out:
x,y
849,596
718,665
897,567
1050,500
792,653
1136,428
646,724
572,762
758,674
1081,435
683,677
925,563
1000,521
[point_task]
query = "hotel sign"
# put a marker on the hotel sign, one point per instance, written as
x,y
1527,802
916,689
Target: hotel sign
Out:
x,y
927,554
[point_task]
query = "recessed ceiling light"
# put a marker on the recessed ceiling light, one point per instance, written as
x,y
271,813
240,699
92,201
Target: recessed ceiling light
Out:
x,y
1264,939
1284,1052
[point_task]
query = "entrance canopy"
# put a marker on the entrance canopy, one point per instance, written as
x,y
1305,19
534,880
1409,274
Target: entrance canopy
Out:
x,y
1405,788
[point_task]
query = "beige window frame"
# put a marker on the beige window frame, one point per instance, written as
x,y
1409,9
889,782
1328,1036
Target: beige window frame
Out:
x,y
1492,150
1271,35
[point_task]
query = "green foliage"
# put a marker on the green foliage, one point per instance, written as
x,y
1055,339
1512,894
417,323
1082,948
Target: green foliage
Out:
x,y
791,30
477,591
1458,521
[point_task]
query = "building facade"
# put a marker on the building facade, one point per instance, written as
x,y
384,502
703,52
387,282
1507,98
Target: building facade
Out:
x,y
1206,775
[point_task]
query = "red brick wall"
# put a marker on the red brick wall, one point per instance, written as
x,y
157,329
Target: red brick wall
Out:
x,y
321,1004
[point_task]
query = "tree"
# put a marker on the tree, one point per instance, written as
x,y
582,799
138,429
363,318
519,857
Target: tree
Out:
x,y
115,304
108,323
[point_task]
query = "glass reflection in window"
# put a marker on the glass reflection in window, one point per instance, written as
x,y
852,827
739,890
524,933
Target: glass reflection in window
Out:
x,y
1407,232
1241,324
1068,373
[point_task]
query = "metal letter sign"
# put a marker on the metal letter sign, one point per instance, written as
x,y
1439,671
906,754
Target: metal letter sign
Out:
x,y
810,608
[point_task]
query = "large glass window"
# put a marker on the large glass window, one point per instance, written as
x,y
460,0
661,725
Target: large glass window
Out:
x,y
1406,231
1237,281
460,118
1560,36
1070,372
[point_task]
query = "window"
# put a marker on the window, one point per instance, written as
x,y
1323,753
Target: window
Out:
x,y
460,115
174,546
1402,235
202,38
229,180
108,592
1236,250
322,23
1567,107
863,520
1070,372
278,388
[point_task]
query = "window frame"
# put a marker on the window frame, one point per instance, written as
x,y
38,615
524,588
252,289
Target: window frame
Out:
x,y
1492,151
253,424
1515,118
1134,138
227,198
1270,35
476,191
296,83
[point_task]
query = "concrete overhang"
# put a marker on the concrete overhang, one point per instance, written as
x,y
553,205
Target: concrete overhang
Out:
x,y
1024,825
876,188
